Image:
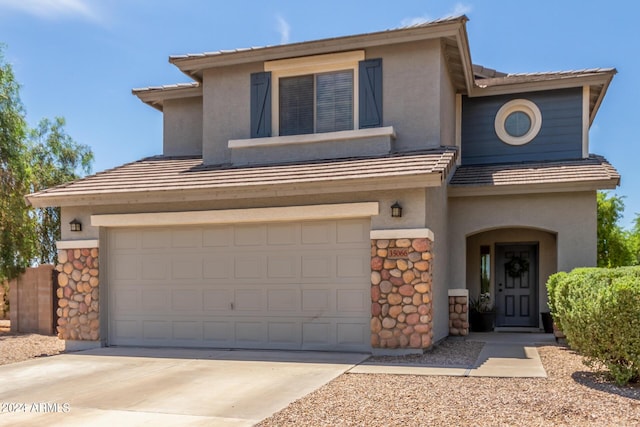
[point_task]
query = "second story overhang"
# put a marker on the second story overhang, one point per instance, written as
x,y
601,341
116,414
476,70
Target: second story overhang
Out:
x,y
595,80
451,31
155,96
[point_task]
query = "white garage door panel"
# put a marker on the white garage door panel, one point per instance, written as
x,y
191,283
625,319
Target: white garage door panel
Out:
x,y
282,286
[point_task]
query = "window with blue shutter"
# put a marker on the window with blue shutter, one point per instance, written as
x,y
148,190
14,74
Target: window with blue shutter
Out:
x,y
318,103
260,105
370,85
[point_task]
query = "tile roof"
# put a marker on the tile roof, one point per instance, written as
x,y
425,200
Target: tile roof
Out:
x,y
161,174
456,18
176,86
593,169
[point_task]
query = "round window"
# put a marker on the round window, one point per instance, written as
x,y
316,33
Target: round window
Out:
x,y
518,122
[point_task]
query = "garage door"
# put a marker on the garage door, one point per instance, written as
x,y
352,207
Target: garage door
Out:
x,y
299,285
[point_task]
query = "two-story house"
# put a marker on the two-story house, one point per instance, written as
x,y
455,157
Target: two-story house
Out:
x,y
332,195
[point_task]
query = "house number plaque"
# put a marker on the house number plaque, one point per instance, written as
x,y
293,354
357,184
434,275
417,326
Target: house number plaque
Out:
x,y
395,253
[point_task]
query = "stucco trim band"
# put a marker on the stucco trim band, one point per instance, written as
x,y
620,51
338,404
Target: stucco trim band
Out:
x,y
235,216
314,137
402,233
76,244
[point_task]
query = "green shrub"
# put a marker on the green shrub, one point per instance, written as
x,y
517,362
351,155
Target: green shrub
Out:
x,y
599,311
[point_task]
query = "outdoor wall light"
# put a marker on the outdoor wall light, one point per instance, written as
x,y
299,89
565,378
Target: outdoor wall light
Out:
x,y
396,210
75,225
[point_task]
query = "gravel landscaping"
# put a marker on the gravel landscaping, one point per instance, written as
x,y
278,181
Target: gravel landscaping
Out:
x,y
572,395
16,347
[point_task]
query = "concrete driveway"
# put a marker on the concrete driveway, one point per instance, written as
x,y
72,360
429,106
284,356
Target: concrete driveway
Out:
x,y
153,387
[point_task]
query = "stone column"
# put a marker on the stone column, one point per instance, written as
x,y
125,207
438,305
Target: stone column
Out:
x,y
401,278
458,312
78,292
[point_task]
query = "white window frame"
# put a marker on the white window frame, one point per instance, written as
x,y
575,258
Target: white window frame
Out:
x,y
522,105
312,65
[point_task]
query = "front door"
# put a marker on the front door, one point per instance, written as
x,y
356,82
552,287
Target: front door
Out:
x,y
516,285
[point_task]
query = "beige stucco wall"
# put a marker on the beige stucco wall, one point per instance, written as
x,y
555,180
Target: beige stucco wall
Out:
x,y
570,216
412,95
436,211
447,106
412,201
411,92
182,127
226,109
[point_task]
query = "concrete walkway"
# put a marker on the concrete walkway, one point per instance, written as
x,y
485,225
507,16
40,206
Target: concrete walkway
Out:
x,y
505,355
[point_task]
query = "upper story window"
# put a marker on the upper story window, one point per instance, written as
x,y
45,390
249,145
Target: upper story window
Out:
x,y
518,121
316,103
316,94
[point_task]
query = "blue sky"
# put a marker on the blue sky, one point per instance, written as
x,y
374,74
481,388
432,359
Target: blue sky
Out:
x,y
80,58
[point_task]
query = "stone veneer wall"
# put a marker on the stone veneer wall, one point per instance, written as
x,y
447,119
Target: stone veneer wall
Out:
x,y
78,309
458,312
401,311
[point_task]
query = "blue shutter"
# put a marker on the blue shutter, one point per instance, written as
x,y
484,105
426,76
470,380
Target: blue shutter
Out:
x,y
370,87
260,105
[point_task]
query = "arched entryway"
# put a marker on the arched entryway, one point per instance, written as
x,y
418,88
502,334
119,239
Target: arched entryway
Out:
x,y
512,265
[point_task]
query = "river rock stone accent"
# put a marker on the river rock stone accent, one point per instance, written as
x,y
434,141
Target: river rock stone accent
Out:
x,y
401,277
459,312
78,280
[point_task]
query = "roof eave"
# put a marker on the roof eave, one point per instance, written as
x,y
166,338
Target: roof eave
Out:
x,y
193,66
534,84
603,91
601,79
155,97
556,187
417,180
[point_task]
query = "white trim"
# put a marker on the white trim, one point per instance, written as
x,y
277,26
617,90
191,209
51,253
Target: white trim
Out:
x,y
515,105
77,244
459,293
235,216
313,138
402,233
312,65
458,136
585,121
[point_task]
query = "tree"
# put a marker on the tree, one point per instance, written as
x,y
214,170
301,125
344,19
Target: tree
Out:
x,y
614,248
31,160
634,240
16,233
54,158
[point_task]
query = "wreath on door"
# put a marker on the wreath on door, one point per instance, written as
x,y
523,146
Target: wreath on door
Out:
x,y
516,266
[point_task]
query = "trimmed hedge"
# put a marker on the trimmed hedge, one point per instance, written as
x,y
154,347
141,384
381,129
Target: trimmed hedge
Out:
x,y
598,309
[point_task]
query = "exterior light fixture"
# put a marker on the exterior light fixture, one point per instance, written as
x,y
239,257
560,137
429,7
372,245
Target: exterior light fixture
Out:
x,y
396,210
75,225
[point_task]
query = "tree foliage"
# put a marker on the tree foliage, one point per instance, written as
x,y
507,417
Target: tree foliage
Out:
x,y
16,235
31,160
54,158
616,246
